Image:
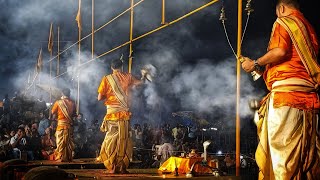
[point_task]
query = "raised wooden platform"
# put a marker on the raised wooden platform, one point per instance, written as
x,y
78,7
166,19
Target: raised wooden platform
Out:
x,y
139,174
84,169
75,164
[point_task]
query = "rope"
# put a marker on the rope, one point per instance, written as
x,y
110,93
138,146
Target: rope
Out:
x,y
245,28
225,32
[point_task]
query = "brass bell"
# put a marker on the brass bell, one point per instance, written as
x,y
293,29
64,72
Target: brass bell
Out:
x,y
248,8
222,15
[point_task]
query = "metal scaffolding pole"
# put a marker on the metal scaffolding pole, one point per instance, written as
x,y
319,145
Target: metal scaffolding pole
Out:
x,y
131,35
239,35
92,30
163,19
58,59
145,34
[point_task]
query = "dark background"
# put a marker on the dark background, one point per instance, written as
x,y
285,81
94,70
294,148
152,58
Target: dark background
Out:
x,y
195,65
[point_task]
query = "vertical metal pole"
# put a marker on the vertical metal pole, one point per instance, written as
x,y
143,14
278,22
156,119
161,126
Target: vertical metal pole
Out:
x,y
78,73
131,34
58,55
50,69
238,88
92,30
163,21
40,68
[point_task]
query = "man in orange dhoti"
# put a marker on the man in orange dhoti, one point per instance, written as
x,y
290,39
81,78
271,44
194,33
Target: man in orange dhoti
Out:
x,y
116,149
64,110
289,145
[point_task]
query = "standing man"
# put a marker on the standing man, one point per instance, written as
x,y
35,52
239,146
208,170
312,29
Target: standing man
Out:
x,y
64,110
289,145
43,124
114,89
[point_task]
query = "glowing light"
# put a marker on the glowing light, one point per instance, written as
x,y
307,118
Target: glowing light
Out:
x,y
219,152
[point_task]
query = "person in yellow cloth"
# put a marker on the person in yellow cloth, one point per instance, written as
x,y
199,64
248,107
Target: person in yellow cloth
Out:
x,y
63,111
114,89
287,125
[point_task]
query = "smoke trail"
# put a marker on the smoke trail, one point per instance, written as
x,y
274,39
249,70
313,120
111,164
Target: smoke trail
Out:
x,y
90,76
177,85
205,87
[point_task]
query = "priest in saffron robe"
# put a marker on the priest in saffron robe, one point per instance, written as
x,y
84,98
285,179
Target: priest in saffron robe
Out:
x,y
289,145
114,89
63,111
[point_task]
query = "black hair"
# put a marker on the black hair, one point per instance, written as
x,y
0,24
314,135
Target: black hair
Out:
x,y
116,64
292,3
66,92
21,128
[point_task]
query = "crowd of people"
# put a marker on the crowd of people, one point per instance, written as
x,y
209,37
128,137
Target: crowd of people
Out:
x,y
26,130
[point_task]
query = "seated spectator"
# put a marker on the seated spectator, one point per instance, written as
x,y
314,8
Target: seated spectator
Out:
x,y
48,144
20,143
27,130
12,133
43,124
4,147
35,141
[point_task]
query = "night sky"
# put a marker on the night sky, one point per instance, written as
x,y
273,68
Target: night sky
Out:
x,y
195,65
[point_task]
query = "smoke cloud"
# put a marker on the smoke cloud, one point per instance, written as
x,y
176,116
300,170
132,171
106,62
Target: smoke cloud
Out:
x,y
194,67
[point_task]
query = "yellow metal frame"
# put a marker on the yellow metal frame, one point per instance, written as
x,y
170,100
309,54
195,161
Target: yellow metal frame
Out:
x,y
239,35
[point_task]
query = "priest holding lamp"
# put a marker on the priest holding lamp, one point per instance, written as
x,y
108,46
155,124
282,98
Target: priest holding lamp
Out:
x,y
289,144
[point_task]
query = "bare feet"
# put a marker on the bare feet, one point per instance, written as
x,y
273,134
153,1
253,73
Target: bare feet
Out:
x,y
112,171
98,159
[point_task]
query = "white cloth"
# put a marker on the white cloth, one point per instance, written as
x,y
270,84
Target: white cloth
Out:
x,y
281,152
166,151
